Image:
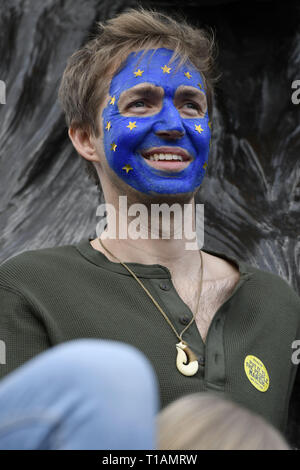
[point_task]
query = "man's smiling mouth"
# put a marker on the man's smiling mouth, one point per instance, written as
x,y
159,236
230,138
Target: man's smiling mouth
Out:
x,y
167,158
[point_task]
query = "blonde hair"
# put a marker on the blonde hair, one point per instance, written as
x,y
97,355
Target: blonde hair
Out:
x,y
85,82
203,421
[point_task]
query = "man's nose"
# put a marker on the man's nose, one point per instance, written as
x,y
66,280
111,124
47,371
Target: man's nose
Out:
x,y
169,124
170,134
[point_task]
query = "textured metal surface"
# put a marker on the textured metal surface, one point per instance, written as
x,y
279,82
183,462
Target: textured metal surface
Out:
x,y
252,187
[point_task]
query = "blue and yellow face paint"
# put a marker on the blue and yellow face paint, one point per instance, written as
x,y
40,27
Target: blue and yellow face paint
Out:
x,y
147,102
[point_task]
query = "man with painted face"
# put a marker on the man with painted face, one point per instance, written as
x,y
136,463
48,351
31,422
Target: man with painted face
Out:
x,y
137,100
155,126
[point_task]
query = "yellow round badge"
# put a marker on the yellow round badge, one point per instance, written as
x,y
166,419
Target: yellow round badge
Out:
x,y
257,373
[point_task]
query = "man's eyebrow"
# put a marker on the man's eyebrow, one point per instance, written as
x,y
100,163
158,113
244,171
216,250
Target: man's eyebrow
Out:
x,y
189,93
143,90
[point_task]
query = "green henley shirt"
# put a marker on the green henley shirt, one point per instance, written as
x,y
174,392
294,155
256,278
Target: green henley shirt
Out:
x,y
52,295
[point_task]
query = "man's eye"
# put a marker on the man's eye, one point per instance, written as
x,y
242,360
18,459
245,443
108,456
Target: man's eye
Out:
x,y
192,105
137,104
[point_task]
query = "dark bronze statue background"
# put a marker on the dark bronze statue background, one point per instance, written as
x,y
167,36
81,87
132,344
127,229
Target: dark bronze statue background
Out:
x,y
252,188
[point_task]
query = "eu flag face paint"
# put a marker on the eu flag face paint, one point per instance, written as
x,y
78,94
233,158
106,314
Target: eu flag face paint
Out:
x,y
156,126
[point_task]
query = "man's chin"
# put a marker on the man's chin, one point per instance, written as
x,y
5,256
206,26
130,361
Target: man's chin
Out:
x,y
135,196
158,198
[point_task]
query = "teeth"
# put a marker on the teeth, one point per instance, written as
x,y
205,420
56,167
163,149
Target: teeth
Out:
x,y
165,156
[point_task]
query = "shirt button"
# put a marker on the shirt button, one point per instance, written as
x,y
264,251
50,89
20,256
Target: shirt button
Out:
x,y
201,361
185,320
164,286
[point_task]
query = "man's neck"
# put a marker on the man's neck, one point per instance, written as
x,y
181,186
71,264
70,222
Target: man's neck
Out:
x,y
165,242
171,252
168,253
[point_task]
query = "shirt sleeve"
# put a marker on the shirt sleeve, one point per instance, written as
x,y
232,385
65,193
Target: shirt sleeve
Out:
x,y
22,333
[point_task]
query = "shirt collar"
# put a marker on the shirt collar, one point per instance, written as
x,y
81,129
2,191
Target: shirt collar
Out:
x,y
146,270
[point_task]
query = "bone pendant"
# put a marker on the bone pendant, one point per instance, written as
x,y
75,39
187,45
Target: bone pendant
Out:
x,y
186,360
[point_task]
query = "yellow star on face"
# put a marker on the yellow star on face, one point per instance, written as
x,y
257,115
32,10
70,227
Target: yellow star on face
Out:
x,y
166,69
112,100
205,165
127,168
108,126
199,85
113,147
198,128
138,73
131,125
188,75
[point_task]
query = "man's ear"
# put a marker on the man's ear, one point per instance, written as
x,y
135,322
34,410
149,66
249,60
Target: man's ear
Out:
x,y
84,143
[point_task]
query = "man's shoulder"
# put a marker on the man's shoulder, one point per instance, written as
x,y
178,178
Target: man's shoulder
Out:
x,y
32,263
264,280
272,286
37,255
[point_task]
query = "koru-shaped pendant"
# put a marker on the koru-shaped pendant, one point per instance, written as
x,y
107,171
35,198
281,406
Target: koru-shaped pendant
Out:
x,y
186,360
